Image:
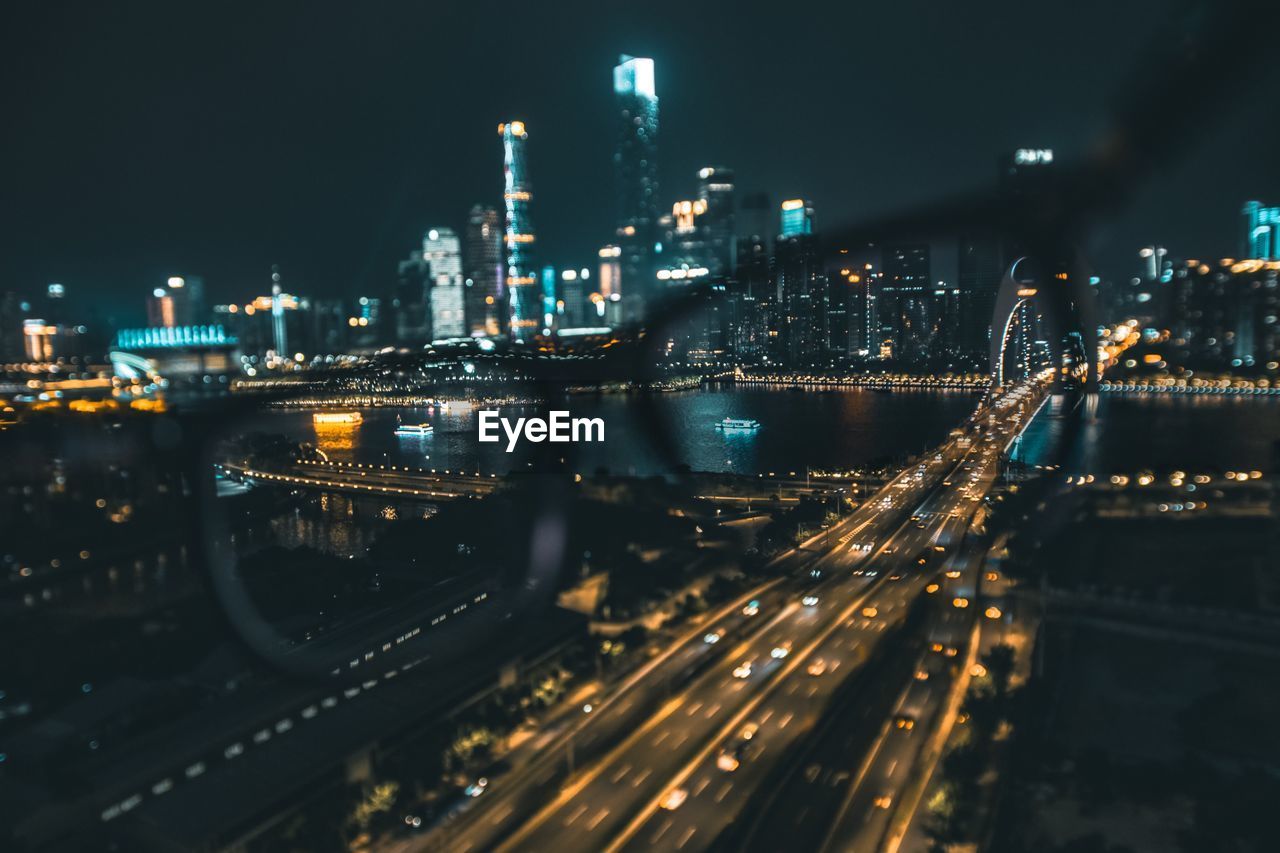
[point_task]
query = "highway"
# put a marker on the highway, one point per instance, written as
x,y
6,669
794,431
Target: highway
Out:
x,y
793,709
850,795
649,761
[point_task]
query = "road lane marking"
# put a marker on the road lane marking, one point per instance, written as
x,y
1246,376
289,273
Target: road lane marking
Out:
x,y
617,777
577,813
684,839
604,813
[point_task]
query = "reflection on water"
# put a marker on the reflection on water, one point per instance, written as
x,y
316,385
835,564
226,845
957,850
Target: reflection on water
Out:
x,y
337,440
339,524
840,429
1164,432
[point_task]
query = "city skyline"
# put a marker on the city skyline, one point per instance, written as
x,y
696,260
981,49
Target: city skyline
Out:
x,y
621,427
863,175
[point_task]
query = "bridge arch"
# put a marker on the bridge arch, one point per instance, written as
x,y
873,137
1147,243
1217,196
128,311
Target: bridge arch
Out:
x,y
1067,307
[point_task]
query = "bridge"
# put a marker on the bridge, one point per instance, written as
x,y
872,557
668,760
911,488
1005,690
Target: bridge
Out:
x,y
1066,305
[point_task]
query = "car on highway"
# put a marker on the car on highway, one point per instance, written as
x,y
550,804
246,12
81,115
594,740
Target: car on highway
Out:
x,y
713,637
742,670
810,600
919,525
781,650
904,722
749,731
817,667
477,787
884,800
922,675
728,760
752,608
674,799
870,611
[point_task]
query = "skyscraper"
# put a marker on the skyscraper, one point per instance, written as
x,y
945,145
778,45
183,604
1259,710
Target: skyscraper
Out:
x,y
548,289
409,301
715,192
607,300
279,331
635,166
483,271
524,299
750,299
800,297
684,247
179,303
797,217
905,301
1261,231
442,252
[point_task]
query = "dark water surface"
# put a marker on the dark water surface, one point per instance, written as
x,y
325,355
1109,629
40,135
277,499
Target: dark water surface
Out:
x,y
1164,433
841,429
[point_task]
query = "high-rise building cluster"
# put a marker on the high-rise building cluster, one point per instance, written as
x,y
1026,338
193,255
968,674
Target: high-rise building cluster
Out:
x,y
724,277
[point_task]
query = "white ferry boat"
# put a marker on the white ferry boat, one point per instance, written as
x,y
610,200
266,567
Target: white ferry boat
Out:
x,y
414,429
738,423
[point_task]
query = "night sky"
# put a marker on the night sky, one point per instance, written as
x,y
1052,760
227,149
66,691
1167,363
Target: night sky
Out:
x,y
143,140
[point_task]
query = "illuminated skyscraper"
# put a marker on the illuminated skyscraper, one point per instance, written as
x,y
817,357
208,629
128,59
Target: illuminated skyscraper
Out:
x,y
607,299
410,301
1261,231
905,300
635,166
279,331
483,271
715,191
179,303
797,217
799,299
548,289
442,252
524,299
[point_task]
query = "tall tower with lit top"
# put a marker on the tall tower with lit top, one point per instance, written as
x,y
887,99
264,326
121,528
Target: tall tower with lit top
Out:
x,y
524,299
635,168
